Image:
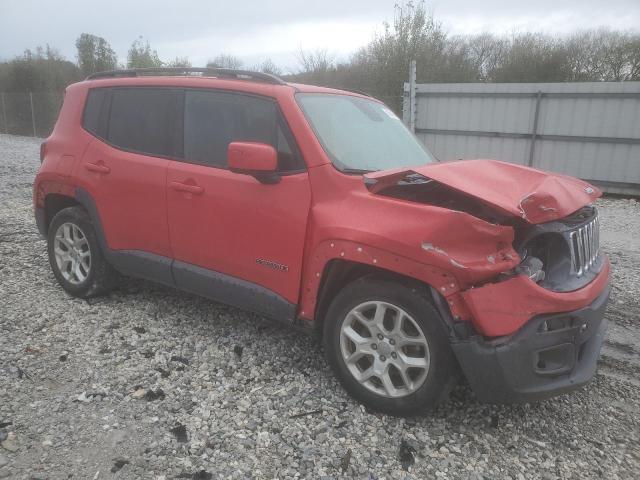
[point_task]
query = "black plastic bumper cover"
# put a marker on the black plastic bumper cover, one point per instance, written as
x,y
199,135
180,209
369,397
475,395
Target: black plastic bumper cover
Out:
x,y
540,360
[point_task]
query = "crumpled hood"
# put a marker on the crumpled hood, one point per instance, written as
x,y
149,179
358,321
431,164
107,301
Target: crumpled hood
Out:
x,y
531,194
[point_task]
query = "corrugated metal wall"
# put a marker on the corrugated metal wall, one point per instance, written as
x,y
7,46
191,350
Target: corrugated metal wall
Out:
x,y
587,130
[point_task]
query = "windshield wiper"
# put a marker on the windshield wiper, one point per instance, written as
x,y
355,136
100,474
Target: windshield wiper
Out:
x,y
355,170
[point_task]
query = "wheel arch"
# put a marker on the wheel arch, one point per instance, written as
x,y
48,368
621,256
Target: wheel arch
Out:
x,y
54,203
84,199
53,198
338,273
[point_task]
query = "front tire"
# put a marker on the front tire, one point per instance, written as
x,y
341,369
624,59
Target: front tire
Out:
x,y
75,255
386,344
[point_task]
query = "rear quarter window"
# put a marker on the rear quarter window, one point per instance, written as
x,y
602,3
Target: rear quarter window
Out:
x,y
92,111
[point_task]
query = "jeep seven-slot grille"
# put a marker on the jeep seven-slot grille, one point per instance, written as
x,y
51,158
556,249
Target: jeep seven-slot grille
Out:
x,y
585,246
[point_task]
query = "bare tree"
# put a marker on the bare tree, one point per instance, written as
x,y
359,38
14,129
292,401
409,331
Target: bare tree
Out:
x,y
179,62
225,61
616,56
268,66
315,61
532,57
486,52
604,54
634,57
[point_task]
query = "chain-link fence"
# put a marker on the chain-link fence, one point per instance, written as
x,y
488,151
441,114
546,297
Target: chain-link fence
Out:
x,y
29,113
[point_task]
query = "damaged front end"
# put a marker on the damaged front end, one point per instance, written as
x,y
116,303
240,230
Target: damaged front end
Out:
x,y
534,329
562,255
555,235
561,269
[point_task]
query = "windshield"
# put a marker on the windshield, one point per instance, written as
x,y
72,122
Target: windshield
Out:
x,y
360,134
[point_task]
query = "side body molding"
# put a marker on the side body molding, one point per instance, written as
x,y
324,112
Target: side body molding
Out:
x,y
210,284
232,291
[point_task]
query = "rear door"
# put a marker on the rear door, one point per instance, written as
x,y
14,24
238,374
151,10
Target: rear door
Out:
x,y
245,237
124,169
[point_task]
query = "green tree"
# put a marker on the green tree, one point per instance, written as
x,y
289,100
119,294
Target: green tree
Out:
x,y
95,54
140,55
45,74
39,70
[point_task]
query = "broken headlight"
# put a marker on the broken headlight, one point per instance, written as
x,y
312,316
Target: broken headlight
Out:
x,y
532,267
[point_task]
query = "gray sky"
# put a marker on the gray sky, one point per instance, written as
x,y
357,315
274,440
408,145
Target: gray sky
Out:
x,y
200,29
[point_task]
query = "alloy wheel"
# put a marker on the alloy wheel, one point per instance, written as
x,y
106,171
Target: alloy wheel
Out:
x,y
72,253
384,349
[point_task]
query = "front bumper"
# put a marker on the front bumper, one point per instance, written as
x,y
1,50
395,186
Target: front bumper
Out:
x,y
503,308
536,362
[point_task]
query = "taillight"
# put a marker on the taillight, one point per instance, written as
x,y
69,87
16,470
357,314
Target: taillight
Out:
x,y
43,151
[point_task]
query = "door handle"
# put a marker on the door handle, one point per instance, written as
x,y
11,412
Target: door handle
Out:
x,y
185,187
97,167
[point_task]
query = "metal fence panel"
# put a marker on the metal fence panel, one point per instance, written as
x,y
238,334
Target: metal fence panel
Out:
x,y
589,130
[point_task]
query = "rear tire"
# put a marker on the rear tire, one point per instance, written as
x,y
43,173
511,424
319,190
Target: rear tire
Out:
x,y
75,255
386,344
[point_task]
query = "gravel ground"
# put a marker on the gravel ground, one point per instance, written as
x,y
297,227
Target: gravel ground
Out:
x,y
153,383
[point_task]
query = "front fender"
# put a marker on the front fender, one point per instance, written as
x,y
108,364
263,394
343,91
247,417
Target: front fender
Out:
x,y
358,252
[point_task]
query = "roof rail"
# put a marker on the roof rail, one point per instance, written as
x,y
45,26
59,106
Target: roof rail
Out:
x,y
189,71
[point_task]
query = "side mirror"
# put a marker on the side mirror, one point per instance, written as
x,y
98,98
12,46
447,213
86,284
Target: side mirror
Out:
x,y
256,159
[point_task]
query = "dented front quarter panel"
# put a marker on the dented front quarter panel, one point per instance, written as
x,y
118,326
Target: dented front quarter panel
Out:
x,y
447,249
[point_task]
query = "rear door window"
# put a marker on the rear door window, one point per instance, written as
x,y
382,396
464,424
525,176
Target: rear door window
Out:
x,y
146,120
212,120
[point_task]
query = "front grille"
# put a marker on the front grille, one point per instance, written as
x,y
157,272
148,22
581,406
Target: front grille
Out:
x,y
585,246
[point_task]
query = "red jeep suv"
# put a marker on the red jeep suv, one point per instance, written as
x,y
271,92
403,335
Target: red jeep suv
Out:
x,y
318,208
